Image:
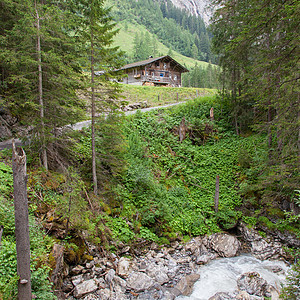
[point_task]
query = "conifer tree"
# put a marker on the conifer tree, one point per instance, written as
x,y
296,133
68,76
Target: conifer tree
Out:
x,y
258,42
96,32
38,55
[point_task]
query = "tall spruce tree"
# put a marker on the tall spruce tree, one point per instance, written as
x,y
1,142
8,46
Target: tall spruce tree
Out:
x,y
95,32
258,42
41,74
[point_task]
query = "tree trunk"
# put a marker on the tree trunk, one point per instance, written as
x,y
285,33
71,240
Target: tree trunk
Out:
x,y
40,89
217,195
21,223
94,170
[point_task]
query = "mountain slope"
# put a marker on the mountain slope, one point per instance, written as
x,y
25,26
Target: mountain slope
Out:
x,y
125,40
196,7
174,27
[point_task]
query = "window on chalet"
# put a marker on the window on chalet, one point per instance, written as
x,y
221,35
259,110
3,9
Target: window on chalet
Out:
x,y
157,63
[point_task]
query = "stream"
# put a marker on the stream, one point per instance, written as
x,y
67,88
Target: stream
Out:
x,y
221,275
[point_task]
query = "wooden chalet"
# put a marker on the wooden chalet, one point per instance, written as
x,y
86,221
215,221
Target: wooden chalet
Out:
x,y
160,71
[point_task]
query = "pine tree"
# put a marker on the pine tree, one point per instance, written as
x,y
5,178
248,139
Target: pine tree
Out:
x,y
42,74
96,36
258,42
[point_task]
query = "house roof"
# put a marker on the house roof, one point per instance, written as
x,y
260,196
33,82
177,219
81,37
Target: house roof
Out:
x,y
151,60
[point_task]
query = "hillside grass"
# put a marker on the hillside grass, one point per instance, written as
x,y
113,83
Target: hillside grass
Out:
x,y
124,39
156,96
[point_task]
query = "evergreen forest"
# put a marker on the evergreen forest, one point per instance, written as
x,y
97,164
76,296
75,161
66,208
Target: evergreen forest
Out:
x,y
150,177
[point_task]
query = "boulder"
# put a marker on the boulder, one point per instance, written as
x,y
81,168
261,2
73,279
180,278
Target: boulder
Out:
x,y
185,285
124,267
205,258
243,295
91,297
158,273
261,248
139,282
86,287
193,246
221,296
77,279
76,270
119,285
224,244
110,276
254,284
107,294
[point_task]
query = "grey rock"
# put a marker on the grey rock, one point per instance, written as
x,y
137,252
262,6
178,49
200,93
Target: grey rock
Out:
x,y
193,246
158,273
205,258
107,294
110,276
254,284
86,287
243,295
185,285
139,282
91,297
101,283
124,267
171,292
104,294
224,244
119,285
77,270
90,264
77,279
221,296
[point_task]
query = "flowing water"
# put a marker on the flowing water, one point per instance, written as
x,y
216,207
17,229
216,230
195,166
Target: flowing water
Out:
x,y
221,275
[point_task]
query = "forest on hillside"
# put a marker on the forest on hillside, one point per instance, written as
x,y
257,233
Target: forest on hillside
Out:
x,y
176,28
150,177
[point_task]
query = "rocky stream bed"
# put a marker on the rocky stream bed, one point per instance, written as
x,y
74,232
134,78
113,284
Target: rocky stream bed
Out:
x,y
171,272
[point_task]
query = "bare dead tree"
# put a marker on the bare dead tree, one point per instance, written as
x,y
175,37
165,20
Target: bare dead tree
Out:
x,y
21,223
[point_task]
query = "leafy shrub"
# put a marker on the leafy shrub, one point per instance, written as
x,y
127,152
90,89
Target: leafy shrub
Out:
x,y
148,235
120,229
39,247
291,289
6,179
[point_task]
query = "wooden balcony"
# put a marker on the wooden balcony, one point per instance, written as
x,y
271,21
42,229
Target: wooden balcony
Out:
x,y
158,79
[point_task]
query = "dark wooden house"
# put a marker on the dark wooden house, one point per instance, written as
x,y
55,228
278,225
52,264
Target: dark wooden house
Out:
x,y
162,70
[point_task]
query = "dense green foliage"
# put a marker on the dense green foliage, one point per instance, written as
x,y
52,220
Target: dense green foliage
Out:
x,y
291,289
39,247
171,184
258,42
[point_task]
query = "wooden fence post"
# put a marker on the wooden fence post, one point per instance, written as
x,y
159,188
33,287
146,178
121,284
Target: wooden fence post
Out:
x,y
217,195
21,223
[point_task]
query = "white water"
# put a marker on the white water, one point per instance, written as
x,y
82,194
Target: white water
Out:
x,y
221,275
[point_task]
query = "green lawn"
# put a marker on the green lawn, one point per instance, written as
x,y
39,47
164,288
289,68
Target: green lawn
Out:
x,y
156,96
